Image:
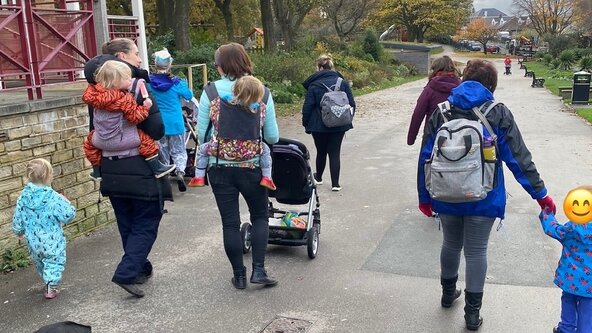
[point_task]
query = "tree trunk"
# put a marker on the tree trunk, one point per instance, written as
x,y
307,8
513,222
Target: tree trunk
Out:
x,y
182,35
267,22
165,11
224,7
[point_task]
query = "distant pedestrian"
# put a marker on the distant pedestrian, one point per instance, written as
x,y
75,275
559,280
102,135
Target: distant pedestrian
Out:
x,y
443,77
327,140
466,225
38,217
168,90
508,65
575,266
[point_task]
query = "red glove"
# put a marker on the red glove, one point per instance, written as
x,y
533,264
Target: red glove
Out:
x,y
426,209
547,204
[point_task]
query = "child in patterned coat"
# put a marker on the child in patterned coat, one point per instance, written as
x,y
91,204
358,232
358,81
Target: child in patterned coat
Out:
x,y
573,274
38,216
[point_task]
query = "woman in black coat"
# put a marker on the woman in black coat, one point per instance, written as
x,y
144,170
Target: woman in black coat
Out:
x,y
135,194
327,139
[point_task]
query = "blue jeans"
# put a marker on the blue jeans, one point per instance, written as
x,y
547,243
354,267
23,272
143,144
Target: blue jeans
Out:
x,y
576,314
137,221
472,234
227,183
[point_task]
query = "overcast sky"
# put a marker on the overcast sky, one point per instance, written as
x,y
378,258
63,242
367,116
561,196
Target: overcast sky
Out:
x,y
503,5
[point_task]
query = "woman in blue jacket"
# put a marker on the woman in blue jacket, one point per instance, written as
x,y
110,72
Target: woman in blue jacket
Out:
x,y
468,225
231,178
327,139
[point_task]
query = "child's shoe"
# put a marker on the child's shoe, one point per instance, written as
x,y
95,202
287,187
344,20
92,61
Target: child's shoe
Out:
x,y
51,292
268,183
96,173
197,182
159,169
180,181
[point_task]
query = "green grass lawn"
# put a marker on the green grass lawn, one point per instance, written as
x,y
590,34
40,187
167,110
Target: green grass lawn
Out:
x,y
555,79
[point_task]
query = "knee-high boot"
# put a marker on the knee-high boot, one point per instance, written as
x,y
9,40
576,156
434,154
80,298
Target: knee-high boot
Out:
x,y
449,291
472,308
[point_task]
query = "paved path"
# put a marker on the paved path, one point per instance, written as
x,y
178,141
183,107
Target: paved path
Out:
x,y
377,267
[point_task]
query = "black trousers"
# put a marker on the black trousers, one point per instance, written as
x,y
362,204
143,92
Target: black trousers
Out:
x,y
328,144
137,221
227,183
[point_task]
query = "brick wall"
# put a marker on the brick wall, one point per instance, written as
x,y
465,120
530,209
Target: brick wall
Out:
x,y
54,130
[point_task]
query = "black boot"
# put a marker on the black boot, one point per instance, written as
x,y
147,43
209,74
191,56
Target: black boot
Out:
x,y
259,276
96,173
472,307
449,291
239,281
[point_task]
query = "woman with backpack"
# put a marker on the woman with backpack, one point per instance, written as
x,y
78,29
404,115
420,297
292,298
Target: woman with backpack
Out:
x,y
443,77
137,197
467,224
234,165
327,140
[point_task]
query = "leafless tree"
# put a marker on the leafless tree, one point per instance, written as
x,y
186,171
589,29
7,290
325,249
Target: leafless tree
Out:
x,y
547,16
346,15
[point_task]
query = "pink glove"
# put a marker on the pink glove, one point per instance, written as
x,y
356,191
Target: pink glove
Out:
x,y
426,209
547,204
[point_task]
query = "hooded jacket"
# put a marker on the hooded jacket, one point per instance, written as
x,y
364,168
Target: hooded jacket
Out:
x,y
511,150
311,109
574,270
38,215
435,92
167,91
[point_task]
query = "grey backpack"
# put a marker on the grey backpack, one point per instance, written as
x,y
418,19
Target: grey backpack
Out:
x,y
335,108
457,170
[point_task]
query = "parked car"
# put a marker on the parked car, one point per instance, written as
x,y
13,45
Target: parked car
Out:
x,y
475,46
492,48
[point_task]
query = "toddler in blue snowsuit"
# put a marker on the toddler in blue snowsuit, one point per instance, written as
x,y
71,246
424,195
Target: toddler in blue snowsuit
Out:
x,y
573,274
38,216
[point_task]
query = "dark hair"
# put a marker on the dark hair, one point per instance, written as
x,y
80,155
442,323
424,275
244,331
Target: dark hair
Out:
x,y
443,65
233,60
118,45
482,71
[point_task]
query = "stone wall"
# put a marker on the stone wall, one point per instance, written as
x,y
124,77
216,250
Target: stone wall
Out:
x,y
51,129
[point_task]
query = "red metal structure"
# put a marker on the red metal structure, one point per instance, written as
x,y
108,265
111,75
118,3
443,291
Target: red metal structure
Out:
x,y
123,27
44,42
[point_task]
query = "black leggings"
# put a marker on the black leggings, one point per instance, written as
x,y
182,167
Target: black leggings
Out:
x,y
328,144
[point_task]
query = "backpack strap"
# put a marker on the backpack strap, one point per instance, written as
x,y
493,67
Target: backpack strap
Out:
x,y
338,84
444,107
211,91
482,117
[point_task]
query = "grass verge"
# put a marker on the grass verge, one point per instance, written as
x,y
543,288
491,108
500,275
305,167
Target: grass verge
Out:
x,y
557,78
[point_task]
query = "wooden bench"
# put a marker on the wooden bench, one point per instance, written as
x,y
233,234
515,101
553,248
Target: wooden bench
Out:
x,y
521,62
537,83
527,73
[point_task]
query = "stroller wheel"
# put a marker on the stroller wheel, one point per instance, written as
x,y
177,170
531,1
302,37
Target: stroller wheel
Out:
x,y
246,236
312,242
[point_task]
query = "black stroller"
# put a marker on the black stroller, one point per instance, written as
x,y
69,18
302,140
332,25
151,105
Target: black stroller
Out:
x,y
293,178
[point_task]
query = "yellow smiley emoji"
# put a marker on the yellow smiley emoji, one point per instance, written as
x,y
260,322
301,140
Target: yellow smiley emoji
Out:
x,y
577,206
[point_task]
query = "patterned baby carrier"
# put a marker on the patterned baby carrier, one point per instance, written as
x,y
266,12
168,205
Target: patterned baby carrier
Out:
x,y
114,135
237,134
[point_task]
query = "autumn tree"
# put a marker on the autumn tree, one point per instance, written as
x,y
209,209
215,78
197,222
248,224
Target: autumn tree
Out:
x,y
548,17
346,15
224,7
289,15
583,15
481,31
267,25
420,16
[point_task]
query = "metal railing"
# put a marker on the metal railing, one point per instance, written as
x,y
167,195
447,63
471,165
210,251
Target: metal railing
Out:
x,y
44,43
